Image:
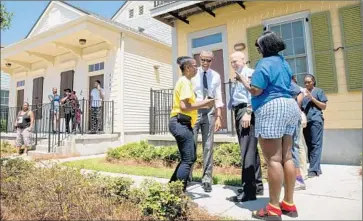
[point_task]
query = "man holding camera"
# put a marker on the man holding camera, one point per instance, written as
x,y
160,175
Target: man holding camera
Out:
x,y
207,84
240,103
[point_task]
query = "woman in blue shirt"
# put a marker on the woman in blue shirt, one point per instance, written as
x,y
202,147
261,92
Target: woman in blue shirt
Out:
x,y
313,105
277,115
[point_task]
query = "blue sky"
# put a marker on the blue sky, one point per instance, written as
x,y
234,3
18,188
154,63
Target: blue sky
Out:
x,y
26,14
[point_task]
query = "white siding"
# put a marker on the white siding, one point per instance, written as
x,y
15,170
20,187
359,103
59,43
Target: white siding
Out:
x,y
152,26
55,15
139,77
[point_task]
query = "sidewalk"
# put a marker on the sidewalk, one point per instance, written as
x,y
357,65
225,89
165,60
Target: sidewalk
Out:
x,y
335,195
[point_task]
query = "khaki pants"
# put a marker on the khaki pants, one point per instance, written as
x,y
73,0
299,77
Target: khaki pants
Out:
x,y
302,155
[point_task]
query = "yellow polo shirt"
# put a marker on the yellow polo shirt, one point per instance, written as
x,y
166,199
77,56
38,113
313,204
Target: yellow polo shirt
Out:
x,y
184,90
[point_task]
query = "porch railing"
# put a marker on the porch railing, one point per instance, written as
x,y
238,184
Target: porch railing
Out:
x,y
161,102
161,3
50,128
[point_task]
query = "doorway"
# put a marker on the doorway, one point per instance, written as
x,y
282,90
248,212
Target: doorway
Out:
x,y
19,100
37,98
92,80
218,66
67,78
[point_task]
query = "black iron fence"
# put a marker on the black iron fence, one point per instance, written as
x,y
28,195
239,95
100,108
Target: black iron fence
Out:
x,y
161,102
50,126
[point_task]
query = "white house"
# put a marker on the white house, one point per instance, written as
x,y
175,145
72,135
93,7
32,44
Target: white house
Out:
x,y
69,47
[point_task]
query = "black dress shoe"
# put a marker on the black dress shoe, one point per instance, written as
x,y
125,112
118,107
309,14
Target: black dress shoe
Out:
x,y
242,197
207,187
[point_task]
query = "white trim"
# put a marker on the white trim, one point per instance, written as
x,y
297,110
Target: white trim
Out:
x,y
308,45
171,7
121,93
174,39
47,12
98,55
224,46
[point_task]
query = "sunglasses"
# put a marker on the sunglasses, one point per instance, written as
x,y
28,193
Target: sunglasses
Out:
x,y
206,60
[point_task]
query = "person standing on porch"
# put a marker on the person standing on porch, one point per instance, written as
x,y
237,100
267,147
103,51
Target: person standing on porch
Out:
x,y
69,102
240,103
54,99
97,96
207,84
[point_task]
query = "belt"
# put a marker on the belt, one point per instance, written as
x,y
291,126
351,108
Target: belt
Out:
x,y
239,106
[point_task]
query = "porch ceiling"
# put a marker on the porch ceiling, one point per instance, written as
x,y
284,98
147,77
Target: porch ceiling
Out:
x,y
47,48
169,16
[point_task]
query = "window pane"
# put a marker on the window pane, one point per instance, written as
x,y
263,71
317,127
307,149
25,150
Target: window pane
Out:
x,y
289,48
97,66
299,46
286,31
292,65
102,65
301,65
300,80
276,29
91,68
6,101
298,29
207,40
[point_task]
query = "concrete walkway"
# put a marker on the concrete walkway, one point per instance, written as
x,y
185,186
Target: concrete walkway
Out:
x,y
335,195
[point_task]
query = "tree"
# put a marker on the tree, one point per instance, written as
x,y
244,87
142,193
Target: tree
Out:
x,y
5,18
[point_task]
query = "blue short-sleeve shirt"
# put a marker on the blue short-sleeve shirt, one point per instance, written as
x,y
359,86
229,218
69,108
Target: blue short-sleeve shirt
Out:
x,y
311,110
273,75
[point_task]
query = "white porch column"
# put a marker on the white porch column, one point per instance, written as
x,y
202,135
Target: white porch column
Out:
x,y
174,38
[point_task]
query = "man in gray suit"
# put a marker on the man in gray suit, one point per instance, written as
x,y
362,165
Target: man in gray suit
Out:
x,y
207,83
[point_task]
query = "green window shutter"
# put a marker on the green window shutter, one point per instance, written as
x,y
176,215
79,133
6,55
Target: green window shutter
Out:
x,y
323,51
351,29
252,34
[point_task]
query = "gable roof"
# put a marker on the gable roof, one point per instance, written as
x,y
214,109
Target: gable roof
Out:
x,y
119,10
99,17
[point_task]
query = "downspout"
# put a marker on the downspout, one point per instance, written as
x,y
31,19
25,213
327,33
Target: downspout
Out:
x,y
174,46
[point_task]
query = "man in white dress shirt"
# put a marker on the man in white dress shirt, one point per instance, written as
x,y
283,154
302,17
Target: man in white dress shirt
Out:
x,y
207,83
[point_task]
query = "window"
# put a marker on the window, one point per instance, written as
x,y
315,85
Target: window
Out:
x,y
20,83
141,10
96,67
131,13
4,98
207,40
296,53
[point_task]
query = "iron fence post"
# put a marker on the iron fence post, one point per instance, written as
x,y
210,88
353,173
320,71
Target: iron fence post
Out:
x,y
230,96
113,114
151,112
50,126
36,129
7,119
82,116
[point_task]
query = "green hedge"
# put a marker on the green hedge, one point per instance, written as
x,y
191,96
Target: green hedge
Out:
x,y
225,155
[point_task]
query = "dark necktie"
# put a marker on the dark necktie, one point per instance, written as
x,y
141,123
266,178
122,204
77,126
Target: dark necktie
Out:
x,y
205,82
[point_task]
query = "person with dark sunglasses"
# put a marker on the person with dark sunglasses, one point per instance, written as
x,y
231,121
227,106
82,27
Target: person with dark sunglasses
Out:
x,y
207,84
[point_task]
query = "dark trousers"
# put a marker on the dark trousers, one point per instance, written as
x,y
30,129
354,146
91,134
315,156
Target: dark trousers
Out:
x,y
250,159
70,117
313,133
96,119
187,148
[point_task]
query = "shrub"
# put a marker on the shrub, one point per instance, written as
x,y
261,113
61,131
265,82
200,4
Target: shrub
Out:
x,y
56,193
6,148
3,125
164,201
227,155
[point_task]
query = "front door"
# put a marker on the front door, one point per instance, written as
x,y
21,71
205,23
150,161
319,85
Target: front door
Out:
x,y
66,83
19,100
92,80
217,66
37,98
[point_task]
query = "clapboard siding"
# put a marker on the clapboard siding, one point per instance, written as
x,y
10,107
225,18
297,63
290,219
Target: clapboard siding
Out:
x,y
56,15
139,76
152,26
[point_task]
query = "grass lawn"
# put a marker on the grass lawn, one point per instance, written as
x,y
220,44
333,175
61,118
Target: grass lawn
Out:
x,y
100,164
